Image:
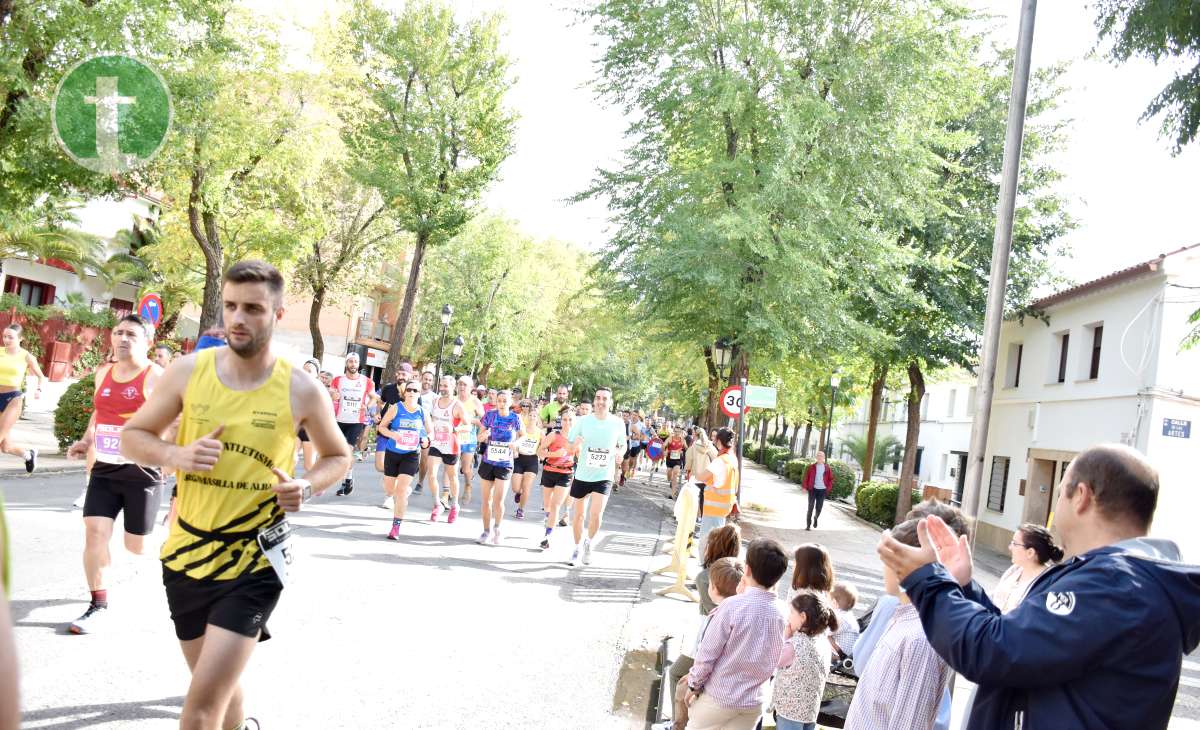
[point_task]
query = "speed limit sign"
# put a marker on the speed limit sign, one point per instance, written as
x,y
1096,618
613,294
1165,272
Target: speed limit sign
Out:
x,y
731,401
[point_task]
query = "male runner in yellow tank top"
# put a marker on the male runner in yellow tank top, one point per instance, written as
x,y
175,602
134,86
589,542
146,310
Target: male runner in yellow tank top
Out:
x,y
241,407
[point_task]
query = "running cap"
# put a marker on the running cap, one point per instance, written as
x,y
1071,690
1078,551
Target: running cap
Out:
x,y
352,356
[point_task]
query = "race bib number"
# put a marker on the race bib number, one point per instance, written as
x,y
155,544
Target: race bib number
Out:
x,y
528,445
278,544
408,439
499,453
598,459
108,442
442,440
674,455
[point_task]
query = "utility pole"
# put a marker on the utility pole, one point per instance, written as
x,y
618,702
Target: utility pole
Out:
x,y
1001,246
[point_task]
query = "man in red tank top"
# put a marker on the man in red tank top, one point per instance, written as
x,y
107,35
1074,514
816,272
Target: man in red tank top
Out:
x,y
116,485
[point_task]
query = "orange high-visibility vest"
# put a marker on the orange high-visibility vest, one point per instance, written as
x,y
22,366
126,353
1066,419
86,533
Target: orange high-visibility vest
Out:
x,y
718,498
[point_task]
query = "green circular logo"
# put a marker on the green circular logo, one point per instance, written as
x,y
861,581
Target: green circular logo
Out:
x,y
111,113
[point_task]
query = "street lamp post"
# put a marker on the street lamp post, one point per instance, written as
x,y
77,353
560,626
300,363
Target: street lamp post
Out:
x,y
834,381
447,313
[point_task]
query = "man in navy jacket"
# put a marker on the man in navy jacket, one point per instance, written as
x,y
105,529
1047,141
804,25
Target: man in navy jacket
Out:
x,y
1098,641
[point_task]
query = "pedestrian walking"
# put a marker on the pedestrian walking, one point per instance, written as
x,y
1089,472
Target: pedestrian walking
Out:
x,y
817,482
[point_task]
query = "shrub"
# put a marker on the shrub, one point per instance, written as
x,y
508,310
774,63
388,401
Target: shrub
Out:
x,y
795,469
775,454
843,479
777,440
876,502
74,411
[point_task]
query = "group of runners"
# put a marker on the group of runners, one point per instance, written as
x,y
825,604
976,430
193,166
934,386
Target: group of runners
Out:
x,y
226,421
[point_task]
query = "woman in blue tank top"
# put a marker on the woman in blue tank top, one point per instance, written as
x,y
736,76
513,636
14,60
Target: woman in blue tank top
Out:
x,y
406,427
501,430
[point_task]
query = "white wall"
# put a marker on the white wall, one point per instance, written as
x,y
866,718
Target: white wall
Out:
x,y
65,282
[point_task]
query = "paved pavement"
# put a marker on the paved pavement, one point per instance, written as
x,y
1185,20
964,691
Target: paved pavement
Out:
x,y
35,429
432,631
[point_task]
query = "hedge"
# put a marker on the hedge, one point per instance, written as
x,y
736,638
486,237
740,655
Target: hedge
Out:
x,y
876,502
770,456
74,411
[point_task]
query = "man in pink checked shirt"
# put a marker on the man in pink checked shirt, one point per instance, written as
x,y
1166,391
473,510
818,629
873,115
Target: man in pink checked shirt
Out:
x,y
740,648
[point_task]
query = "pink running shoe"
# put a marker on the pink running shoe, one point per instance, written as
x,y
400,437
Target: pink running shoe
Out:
x,y
395,533
450,518
437,510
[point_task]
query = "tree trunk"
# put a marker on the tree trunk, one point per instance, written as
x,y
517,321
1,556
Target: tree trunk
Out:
x,y
807,438
314,323
762,435
880,376
203,226
210,308
821,435
395,354
712,409
166,328
483,373
916,392
795,438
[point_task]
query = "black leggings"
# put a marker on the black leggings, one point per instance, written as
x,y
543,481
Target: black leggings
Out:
x,y
816,497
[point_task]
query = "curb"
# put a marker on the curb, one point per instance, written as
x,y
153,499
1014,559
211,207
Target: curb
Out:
x,y
41,471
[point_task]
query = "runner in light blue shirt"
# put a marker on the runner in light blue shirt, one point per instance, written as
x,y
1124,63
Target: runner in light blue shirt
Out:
x,y
598,440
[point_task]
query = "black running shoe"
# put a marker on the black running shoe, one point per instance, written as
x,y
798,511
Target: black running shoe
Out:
x,y
347,488
418,489
31,462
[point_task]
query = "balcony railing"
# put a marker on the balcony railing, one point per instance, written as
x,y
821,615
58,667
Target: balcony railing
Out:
x,y
374,330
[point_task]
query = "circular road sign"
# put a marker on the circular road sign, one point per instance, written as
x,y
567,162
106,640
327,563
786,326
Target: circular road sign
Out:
x,y
731,401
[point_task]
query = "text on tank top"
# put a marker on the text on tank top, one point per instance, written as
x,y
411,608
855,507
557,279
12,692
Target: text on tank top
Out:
x,y
221,511
351,394
409,427
445,424
115,401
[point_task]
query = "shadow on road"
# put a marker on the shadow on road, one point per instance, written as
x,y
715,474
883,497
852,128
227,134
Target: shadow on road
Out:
x,y
84,716
21,610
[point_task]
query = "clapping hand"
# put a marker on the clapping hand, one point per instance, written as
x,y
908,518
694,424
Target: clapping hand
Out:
x,y
937,543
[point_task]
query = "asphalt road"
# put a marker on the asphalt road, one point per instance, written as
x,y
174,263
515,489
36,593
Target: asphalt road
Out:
x,y
432,631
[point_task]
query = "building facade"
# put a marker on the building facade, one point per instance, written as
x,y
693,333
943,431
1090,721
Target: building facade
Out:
x,y
1104,365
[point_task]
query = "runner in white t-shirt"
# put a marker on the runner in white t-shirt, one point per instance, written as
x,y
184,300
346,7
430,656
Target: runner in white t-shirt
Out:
x,y
446,415
350,392
426,402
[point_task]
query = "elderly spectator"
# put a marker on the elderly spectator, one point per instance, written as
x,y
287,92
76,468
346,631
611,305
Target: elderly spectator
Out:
x,y
1099,640
818,481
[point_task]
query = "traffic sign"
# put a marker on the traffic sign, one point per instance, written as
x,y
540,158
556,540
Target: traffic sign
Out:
x,y
731,401
760,396
150,308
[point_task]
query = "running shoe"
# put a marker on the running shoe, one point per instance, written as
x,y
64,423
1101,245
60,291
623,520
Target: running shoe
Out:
x,y
520,515
496,536
450,518
394,534
359,454
78,503
562,522
545,544
389,503
418,489
246,724
348,487
587,552
483,538
574,556
31,461
437,510
516,497
445,501
92,619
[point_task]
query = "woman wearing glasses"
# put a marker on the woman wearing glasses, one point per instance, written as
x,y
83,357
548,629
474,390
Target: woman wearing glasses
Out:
x,y
1033,551
502,429
407,428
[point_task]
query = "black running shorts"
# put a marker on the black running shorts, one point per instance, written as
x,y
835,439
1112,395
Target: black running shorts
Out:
x,y
395,463
135,490
352,432
555,479
581,489
674,463
241,605
526,464
492,472
302,435
633,451
447,459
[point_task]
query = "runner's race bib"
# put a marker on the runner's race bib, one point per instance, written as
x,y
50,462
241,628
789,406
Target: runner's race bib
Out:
x,y
598,459
442,440
673,455
277,543
528,445
499,453
407,439
108,443
351,405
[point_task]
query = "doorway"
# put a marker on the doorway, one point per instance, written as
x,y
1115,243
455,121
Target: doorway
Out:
x,y
1039,491
960,474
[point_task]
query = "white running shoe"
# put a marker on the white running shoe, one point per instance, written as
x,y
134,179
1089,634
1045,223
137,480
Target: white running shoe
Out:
x,y
587,552
574,556
92,619
482,539
389,503
496,536
78,503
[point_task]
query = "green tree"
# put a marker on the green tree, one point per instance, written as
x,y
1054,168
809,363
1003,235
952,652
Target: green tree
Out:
x,y
1160,30
773,147
424,122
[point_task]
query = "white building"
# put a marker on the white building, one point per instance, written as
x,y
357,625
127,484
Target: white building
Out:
x,y
1104,366
37,283
946,413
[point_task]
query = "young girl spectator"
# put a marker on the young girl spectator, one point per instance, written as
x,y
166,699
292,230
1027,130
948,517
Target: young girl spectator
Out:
x,y
804,663
844,596
813,570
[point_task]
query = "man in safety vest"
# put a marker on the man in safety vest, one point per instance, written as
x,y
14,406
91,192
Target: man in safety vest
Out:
x,y
721,480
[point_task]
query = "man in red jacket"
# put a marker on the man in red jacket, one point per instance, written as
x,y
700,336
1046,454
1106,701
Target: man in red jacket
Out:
x,y
818,479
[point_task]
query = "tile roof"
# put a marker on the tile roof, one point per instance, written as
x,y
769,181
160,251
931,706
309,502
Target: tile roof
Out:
x,y
1116,277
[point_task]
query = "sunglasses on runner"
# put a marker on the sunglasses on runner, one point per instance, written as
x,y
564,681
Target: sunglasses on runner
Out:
x,y
411,390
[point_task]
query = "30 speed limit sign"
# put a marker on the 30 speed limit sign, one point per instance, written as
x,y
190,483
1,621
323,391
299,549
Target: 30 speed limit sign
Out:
x,y
731,401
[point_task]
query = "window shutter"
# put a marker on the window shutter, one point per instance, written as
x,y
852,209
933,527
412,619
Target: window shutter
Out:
x,y
998,482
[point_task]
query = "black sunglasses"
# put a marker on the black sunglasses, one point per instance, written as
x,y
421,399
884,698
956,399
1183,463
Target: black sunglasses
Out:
x,y
411,390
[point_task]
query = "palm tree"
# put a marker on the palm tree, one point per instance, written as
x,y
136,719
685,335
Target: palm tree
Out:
x,y
885,448
28,239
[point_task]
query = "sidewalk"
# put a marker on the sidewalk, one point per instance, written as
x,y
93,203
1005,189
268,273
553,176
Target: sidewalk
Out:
x,y
35,429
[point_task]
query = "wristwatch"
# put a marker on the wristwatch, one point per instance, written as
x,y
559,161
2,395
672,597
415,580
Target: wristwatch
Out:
x,y
308,490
